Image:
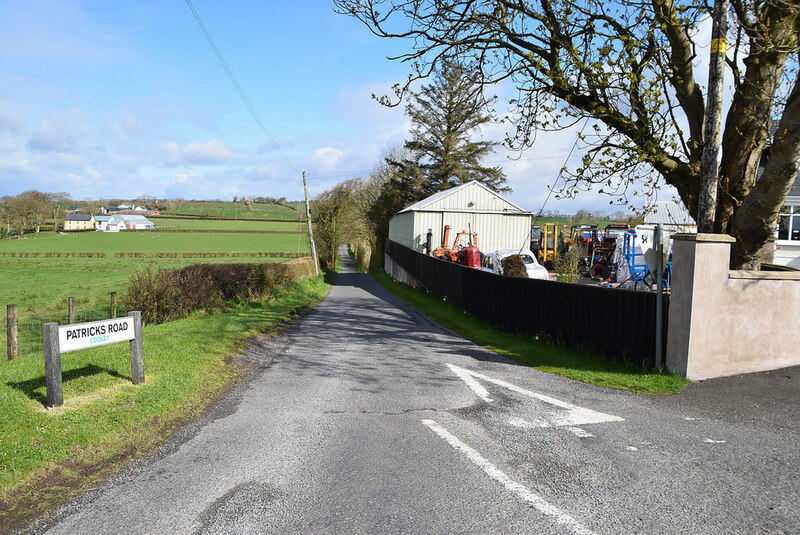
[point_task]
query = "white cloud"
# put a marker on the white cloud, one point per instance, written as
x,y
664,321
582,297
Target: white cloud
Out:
x,y
9,121
186,177
325,159
60,132
210,152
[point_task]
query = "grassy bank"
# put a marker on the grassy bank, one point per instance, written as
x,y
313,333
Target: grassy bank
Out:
x,y
46,456
532,351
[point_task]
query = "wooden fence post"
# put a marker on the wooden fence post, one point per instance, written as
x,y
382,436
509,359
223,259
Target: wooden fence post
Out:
x,y
12,332
71,310
113,305
137,349
52,365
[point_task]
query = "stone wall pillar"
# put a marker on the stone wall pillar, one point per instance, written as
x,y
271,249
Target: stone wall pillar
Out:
x,y
697,302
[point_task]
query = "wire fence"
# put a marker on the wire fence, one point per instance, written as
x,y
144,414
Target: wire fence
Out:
x,y
26,325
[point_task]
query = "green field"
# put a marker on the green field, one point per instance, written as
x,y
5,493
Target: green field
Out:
x,y
205,224
239,210
43,284
153,241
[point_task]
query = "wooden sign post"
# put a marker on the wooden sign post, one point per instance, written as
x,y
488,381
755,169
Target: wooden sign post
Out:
x,y
62,339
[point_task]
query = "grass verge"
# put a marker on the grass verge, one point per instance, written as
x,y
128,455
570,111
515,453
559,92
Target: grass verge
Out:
x,y
533,351
48,456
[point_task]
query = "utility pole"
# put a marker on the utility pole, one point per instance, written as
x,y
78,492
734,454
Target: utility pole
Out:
x,y
709,166
310,232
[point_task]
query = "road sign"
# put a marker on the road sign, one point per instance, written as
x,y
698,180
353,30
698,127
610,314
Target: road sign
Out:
x,y
95,333
61,339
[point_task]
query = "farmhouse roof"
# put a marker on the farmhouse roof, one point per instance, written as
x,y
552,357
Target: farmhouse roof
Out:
x,y
437,198
137,219
79,217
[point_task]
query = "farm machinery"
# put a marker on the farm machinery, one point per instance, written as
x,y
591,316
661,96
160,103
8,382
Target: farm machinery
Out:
x,y
603,266
464,250
585,238
639,257
546,241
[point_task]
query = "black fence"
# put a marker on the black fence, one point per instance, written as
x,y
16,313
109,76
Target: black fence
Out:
x,y
619,324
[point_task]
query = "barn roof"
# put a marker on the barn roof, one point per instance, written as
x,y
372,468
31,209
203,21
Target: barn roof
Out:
x,y
438,201
140,219
669,213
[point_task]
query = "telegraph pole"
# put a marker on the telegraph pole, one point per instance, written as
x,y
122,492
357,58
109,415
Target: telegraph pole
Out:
x,y
310,232
709,167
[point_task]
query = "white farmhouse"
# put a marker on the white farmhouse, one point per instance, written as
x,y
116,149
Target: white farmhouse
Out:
x,y
136,222
499,223
118,222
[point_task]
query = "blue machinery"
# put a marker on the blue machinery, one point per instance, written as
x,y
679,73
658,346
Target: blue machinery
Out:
x,y
636,264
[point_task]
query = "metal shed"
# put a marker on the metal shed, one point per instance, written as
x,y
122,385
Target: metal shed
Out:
x,y
499,223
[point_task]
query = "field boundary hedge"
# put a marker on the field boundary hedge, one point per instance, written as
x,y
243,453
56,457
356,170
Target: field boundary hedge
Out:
x,y
211,254
54,254
232,231
169,294
172,215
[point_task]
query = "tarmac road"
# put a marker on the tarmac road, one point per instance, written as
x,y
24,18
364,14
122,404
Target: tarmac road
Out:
x,y
366,417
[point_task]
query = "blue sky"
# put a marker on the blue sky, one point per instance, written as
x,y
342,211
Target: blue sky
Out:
x,y
119,99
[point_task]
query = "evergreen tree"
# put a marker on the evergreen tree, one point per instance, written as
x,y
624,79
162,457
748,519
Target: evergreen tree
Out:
x,y
442,155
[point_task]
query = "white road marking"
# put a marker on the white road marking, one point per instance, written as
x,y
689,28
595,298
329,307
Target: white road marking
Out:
x,y
536,424
712,441
631,448
582,433
474,385
574,416
522,492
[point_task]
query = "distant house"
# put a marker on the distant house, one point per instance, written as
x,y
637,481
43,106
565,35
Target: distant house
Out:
x,y
118,222
787,235
101,222
115,224
79,222
135,222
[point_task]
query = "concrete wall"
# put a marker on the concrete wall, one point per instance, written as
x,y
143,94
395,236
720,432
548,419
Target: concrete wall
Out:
x,y
724,322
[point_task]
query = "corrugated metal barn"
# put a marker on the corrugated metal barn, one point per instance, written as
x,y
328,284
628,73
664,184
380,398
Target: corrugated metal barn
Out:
x,y
499,223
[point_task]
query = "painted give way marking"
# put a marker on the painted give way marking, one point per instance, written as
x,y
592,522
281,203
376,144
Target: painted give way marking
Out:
x,y
564,413
520,491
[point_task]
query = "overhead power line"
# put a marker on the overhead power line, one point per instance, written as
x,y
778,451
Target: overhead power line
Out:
x,y
356,172
558,176
237,86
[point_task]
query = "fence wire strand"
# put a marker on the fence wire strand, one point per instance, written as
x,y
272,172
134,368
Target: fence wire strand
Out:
x,y
29,325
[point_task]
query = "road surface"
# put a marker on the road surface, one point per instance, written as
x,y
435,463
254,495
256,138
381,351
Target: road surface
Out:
x,y
366,417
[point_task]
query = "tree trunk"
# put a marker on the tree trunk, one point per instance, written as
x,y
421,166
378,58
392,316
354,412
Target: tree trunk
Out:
x,y
755,221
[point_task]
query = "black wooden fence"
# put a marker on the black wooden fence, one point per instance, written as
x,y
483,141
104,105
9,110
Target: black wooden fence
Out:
x,y
619,324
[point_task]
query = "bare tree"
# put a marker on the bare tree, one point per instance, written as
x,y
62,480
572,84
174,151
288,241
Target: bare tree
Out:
x,y
26,211
627,69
